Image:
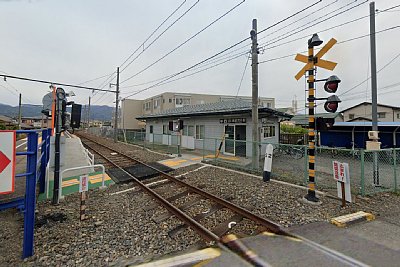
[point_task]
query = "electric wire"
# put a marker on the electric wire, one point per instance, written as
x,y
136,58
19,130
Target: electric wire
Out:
x,y
274,46
219,53
185,42
158,36
362,82
241,79
266,47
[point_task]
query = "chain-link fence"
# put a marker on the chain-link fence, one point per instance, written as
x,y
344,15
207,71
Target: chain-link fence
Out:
x,y
370,171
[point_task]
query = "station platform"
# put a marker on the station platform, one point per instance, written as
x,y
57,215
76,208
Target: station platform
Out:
x,y
70,185
74,155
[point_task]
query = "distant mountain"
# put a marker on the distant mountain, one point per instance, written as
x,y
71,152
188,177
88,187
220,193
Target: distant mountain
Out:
x,y
102,113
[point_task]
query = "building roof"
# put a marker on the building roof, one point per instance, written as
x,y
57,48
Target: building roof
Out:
x,y
302,119
5,119
225,107
368,123
369,103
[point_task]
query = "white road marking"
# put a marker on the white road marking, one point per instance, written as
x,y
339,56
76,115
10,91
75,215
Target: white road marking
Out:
x,y
21,144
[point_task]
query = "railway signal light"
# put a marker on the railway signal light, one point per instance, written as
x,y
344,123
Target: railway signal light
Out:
x,y
332,103
332,83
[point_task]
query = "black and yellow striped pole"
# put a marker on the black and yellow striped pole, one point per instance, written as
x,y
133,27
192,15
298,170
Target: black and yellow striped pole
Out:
x,y
312,61
314,41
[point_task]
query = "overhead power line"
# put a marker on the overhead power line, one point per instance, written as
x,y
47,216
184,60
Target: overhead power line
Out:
x,y
185,42
158,36
224,56
241,79
219,53
338,43
53,83
385,66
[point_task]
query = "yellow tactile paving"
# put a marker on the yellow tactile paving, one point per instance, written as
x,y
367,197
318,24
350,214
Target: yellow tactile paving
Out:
x,y
97,178
198,158
173,163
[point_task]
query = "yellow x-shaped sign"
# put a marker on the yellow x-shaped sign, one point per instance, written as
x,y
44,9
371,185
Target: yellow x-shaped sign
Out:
x,y
326,64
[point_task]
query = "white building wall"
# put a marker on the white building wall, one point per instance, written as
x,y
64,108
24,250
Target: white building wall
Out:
x,y
214,131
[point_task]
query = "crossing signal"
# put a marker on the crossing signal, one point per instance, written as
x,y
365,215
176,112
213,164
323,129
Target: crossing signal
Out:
x,y
332,83
332,103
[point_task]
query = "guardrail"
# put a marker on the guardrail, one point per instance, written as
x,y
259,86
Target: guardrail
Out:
x,y
35,171
79,168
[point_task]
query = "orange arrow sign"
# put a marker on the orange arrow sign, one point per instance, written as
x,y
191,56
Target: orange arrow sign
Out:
x,y
326,64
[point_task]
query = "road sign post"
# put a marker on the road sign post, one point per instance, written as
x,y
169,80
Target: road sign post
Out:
x,y
7,161
83,188
312,61
341,174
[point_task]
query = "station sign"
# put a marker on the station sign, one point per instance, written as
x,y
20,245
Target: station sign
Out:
x,y
233,120
7,161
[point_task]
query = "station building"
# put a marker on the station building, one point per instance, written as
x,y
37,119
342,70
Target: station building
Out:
x,y
204,124
132,108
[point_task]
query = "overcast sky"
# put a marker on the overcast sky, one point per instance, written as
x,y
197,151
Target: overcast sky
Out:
x,y
74,41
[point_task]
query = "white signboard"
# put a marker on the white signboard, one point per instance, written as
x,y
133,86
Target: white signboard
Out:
x,y
7,161
341,173
83,183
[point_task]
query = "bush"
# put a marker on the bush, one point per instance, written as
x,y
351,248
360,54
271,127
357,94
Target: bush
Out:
x,y
292,129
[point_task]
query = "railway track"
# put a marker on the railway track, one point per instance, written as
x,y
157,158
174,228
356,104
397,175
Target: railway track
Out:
x,y
117,159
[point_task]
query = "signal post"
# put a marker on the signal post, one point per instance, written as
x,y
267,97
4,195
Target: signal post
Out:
x,y
330,105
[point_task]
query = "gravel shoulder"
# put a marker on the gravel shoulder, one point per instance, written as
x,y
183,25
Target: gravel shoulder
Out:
x,y
119,229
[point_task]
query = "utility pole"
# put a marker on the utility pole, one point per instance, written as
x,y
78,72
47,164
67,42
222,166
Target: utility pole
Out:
x,y
254,106
116,109
374,86
84,116
19,111
89,114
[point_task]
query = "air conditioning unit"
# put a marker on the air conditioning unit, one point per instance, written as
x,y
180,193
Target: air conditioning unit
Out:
x,y
373,135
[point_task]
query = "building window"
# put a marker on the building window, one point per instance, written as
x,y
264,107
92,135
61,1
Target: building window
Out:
x,y
381,115
151,129
163,100
200,131
269,131
170,100
351,116
165,129
156,103
188,130
147,106
398,115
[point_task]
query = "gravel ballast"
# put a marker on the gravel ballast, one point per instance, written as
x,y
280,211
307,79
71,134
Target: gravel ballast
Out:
x,y
119,228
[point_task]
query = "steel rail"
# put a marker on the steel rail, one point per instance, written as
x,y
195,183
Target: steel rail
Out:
x,y
275,228
208,235
202,231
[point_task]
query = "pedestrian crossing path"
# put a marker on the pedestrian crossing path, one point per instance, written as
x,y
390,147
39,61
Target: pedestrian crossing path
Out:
x,y
187,160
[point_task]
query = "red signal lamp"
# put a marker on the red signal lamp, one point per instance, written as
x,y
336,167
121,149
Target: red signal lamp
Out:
x,y
332,103
332,83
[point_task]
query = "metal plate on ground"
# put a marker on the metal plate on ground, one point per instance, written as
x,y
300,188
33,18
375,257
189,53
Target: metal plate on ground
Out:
x,y
143,172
